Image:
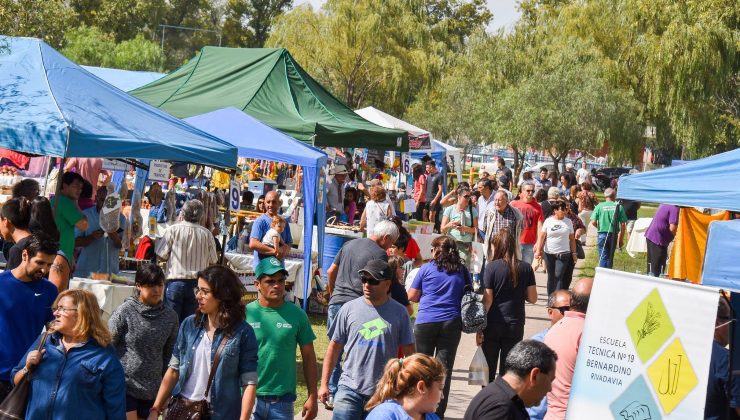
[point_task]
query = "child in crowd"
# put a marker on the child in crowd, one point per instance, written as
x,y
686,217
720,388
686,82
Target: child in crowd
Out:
x,y
350,204
273,237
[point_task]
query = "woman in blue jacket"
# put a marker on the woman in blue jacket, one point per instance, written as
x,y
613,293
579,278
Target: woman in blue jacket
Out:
x,y
77,375
220,315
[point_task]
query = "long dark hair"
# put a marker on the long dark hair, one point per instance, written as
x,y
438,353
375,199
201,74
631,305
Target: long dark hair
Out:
x,y
227,288
447,257
42,218
504,248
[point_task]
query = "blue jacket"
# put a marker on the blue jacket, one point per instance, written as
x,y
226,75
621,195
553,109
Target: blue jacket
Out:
x,y
237,368
85,383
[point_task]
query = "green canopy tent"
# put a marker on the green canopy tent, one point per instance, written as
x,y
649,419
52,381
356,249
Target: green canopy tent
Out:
x,y
268,84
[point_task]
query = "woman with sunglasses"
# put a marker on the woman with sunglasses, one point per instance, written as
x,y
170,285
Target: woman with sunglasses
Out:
x,y
507,282
460,222
558,244
438,287
220,315
77,374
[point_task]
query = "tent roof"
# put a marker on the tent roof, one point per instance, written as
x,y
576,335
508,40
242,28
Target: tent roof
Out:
x,y
379,117
268,84
124,79
51,106
255,139
448,147
708,182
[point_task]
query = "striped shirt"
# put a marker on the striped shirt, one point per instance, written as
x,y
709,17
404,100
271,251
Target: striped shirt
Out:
x,y
187,248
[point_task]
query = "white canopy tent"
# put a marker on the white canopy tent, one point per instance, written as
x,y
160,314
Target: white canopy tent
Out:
x,y
382,119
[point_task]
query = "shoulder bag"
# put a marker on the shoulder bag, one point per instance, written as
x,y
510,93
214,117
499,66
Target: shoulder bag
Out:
x,y
472,310
14,405
181,408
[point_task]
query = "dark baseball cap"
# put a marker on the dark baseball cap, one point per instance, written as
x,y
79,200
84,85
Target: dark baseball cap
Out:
x,y
377,269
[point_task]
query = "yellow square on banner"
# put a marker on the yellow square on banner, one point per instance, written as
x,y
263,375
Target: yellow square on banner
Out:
x,y
650,326
672,376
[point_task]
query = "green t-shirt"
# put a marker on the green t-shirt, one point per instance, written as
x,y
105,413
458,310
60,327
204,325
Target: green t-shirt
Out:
x,y
278,332
464,218
66,214
604,215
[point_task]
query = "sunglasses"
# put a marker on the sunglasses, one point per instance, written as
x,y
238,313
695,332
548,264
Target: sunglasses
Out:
x,y
562,309
528,191
466,196
372,281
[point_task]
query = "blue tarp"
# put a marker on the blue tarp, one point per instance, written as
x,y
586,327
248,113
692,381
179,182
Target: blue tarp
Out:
x,y
257,140
720,260
125,80
51,106
710,182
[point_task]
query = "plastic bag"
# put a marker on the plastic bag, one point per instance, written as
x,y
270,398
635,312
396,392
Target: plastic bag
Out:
x,y
478,371
110,213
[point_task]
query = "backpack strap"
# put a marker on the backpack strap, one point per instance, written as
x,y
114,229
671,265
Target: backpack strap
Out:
x,y
216,359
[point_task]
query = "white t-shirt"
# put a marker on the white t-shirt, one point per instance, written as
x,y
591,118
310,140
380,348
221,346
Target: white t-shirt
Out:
x,y
583,175
270,236
557,232
374,213
195,386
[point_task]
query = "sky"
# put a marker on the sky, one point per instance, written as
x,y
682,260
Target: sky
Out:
x,y
504,11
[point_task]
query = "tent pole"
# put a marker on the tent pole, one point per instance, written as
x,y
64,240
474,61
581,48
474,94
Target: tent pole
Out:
x,y
227,221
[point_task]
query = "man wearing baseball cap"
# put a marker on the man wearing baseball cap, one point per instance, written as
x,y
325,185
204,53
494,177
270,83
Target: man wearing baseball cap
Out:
x,y
280,326
370,329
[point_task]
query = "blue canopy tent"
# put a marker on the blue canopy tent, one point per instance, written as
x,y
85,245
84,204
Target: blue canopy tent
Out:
x,y
710,182
257,140
125,80
720,266
51,106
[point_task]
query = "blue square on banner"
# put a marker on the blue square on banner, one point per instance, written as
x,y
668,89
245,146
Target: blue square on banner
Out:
x,y
636,403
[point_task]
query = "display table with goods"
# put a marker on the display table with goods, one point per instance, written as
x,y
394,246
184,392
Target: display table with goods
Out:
x,y
242,264
109,295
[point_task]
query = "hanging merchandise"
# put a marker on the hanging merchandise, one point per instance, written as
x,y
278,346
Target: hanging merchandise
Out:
x,y
109,214
687,255
220,180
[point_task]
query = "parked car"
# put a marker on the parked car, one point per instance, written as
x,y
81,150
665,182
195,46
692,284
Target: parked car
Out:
x,y
602,178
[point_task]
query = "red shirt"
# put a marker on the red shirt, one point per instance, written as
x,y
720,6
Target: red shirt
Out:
x,y
412,249
532,214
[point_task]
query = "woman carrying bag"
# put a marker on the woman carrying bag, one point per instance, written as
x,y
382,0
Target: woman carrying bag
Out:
x,y
460,222
77,374
508,282
439,287
215,356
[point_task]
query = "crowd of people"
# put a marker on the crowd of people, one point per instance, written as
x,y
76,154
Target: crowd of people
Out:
x,y
187,343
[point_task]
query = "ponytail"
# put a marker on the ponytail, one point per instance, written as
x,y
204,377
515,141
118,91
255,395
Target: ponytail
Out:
x,y
401,376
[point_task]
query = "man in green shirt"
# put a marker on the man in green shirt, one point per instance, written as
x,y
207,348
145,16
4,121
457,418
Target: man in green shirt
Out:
x,y
279,327
603,219
67,214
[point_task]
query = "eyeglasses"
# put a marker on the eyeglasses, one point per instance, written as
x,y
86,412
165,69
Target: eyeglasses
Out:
x,y
201,291
466,196
62,309
528,191
372,281
562,309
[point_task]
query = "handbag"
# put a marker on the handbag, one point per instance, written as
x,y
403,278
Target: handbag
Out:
x,y
181,408
14,405
580,253
472,310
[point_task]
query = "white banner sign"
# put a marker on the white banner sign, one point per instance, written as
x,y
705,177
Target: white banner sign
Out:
x,y
115,165
645,349
235,194
159,171
406,163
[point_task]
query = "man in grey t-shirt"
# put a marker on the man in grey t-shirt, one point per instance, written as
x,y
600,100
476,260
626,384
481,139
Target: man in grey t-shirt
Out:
x,y
434,193
370,328
344,282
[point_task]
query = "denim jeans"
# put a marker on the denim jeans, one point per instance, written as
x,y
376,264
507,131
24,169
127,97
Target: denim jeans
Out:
x,y
349,405
180,297
336,373
272,409
605,251
440,339
528,253
559,271
498,340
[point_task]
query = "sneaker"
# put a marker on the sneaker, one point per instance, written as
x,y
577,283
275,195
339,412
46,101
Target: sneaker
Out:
x,y
329,405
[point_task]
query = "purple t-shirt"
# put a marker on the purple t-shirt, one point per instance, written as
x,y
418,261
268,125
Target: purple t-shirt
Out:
x,y
441,293
658,232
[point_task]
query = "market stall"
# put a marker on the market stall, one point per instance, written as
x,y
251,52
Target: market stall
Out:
x,y
257,140
268,84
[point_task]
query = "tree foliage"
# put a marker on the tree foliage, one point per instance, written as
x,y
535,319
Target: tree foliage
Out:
x,y
248,22
47,20
91,46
